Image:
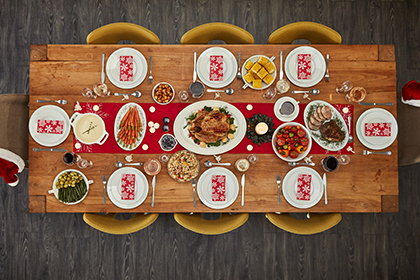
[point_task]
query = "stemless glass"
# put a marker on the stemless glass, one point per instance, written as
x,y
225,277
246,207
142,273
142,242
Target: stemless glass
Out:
x,y
357,94
343,159
101,89
269,94
183,96
70,158
88,93
329,164
282,86
253,158
344,87
84,163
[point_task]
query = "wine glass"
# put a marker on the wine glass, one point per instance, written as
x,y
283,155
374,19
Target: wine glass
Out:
x,y
183,96
269,94
343,159
357,94
88,93
84,163
101,89
253,158
344,87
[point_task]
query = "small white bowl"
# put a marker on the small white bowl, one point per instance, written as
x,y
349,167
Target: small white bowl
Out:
x,y
153,93
302,155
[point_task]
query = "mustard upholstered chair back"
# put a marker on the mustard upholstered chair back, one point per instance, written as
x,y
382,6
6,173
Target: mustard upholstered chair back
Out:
x,y
316,33
107,223
115,32
229,33
316,224
14,132
224,224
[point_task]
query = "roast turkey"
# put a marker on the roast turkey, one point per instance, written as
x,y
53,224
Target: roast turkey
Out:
x,y
210,127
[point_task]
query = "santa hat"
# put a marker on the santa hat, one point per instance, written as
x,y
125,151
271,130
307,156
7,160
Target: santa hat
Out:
x,y
10,165
411,94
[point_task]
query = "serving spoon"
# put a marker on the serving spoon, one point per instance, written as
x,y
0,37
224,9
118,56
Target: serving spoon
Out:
x,y
314,91
208,163
120,164
292,164
228,91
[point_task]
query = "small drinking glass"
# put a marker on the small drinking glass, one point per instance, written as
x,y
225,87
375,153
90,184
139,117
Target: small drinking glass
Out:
x,y
242,165
269,94
344,87
101,89
88,93
163,158
343,159
70,158
329,164
253,158
84,163
183,96
282,86
357,94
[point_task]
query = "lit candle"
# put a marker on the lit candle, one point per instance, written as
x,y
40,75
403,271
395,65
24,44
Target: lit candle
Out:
x,y
261,128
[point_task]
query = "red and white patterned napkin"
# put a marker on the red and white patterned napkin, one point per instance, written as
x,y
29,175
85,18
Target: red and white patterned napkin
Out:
x,y
128,184
216,68
126,68
304,187
50,126
304,66
218,187
377,129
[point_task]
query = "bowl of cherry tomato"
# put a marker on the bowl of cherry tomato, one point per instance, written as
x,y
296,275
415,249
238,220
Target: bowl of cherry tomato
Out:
x,y
291,141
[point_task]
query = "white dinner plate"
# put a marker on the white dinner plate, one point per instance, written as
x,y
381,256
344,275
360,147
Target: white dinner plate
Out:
x,y
204,188
230,67
254,59
376,115
139,68
114,188
289,187
286,118
318,66
316,135
49,112
118,118
182,133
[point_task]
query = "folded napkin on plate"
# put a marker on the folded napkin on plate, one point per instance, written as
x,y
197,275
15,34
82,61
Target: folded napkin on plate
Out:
x,y
128,184
304,66
216,68
377,129
218,188
126,68
50,126
304,187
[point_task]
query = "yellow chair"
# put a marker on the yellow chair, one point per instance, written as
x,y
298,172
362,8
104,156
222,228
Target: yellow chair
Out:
x,y
315,224
14,132
224,224
115,32
107,223
314,32
229,33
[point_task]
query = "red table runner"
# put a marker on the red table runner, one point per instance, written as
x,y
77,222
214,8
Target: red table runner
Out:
x,y
108,112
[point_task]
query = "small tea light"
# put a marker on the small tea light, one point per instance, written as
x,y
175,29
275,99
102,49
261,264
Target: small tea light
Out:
x,y
77,145
152,109
249,107
261,128
345,110
152,130
145,147
156,125
151,124
96,108
249,147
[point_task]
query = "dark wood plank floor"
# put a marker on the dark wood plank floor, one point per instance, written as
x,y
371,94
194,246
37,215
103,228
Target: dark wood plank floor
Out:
x,y
62,246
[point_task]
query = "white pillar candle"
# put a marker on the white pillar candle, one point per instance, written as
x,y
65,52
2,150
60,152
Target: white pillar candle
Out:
x,y
261,128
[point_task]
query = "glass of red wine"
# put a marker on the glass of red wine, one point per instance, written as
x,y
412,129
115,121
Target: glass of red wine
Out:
x,y
70,158
330,163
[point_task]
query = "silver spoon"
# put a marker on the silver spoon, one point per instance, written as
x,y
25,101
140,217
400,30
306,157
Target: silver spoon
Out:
x,y
350,136
61,101
314,91
239,75
228,91
366,152
136,94
208,163
292,164
120,164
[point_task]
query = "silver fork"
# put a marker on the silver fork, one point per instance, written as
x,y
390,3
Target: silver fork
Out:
x,y
366,153
327,75
194,183
150,72
61,101
278,179
239,75
104,182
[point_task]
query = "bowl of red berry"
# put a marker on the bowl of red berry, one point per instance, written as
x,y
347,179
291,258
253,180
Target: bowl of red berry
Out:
x,y
291,141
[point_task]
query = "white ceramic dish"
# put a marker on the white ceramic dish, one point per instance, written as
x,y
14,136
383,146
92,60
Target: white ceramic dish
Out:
x,y
302,155
316,135
204,188
153,93
286,118
182,133
118,119
289,187
86,123
49,112
55,190
318,66
376,115
254,59
139,68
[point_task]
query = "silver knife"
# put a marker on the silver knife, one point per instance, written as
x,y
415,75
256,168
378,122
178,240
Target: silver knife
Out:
x,y
153,194
103,72
324,181
49,149
243,189
194,183
374,104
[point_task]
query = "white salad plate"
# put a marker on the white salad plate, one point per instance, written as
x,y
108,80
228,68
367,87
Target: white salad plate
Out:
x,y
230,67
376,115
118,119
49,112
139,68
204,188
114,188
318,66
289,187
316,135
182,133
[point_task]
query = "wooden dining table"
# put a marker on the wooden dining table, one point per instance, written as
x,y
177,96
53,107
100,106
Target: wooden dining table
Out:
x,y
366,184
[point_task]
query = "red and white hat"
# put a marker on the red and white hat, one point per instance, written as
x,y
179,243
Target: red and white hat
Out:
x,y
10,165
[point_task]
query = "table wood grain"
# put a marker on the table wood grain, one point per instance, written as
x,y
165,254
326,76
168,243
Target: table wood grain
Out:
x,y
366,184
